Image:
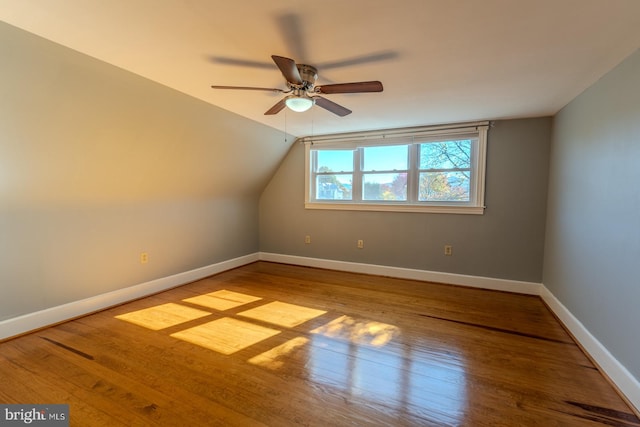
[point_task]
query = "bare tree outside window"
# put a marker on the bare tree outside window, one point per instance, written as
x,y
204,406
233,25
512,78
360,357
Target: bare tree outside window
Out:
x,y
445,171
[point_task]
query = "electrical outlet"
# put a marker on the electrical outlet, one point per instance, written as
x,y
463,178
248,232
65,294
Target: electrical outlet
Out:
x,y
360,244
448,250
144,258
307,239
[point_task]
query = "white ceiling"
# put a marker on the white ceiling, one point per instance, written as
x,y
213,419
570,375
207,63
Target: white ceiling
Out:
x,y
439,60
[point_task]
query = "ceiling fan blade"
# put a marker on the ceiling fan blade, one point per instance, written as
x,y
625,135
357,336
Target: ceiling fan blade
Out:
x,y
276,108
225,60
357,87
331,106
288,68
291,29
248,88
358,60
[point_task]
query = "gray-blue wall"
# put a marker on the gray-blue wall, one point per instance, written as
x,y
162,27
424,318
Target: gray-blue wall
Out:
x,y
98,165
506,242
592,250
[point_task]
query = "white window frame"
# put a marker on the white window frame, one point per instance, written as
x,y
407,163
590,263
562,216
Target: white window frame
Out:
x,y
477,131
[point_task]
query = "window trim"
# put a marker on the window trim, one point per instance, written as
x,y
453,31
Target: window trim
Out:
x,y
404,136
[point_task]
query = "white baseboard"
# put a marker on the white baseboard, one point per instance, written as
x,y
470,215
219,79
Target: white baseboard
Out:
x,y
626,383
50,316
528,288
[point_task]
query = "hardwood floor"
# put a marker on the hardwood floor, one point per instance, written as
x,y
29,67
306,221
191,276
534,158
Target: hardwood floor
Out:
x,y
272,344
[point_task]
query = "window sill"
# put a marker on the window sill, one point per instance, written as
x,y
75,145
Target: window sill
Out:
x,y
377,207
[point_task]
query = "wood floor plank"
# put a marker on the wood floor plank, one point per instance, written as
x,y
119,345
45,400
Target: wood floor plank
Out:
x,y
279,345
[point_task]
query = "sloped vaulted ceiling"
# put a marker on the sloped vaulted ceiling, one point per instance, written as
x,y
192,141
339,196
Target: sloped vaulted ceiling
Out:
x,y
76,130
440,61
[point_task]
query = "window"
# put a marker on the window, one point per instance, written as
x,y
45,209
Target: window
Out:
x,y
431,169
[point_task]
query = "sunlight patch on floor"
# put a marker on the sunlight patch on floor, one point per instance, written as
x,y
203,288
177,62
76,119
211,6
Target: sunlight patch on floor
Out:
x,y
226,335
276,357
222,300
163,316
367,332
282,314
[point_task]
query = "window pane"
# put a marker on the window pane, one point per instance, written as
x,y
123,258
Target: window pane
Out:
x,y
444,187
334,187
393,157
335,160
384,186
446,155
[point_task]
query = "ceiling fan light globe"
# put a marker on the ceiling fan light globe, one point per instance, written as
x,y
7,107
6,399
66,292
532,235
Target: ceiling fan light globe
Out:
x,y
299,104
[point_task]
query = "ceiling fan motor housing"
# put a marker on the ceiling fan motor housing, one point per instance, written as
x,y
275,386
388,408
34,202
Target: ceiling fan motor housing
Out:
x,y
308,74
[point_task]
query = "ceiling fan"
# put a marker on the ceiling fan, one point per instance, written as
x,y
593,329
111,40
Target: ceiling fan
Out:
x,y
302,89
